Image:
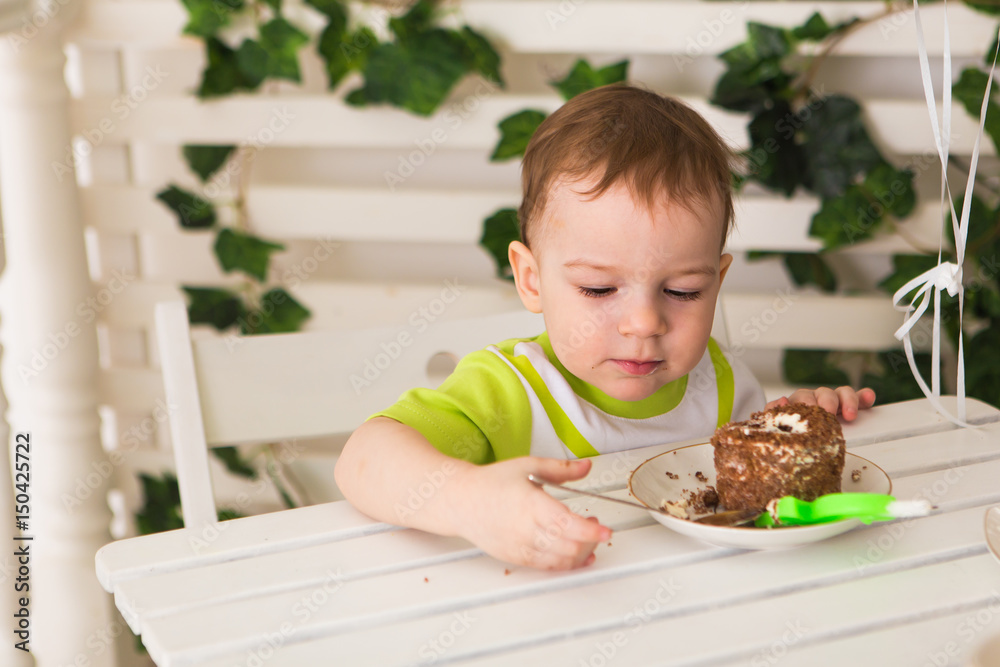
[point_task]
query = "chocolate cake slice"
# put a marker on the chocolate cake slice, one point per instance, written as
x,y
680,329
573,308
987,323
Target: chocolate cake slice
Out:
x,y
791,450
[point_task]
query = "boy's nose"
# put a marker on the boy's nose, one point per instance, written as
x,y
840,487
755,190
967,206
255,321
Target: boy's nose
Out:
x,y
642,319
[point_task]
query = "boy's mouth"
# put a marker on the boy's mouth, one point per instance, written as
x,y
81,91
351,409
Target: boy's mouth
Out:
x,y
636,367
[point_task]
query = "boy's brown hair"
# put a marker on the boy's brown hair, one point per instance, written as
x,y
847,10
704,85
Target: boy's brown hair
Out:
x,y
654,144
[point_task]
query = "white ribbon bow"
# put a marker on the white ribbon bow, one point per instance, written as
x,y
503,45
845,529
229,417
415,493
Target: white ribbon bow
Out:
x,y
946,276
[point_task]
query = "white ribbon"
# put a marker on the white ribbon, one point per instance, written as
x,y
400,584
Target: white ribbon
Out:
x,y
946,276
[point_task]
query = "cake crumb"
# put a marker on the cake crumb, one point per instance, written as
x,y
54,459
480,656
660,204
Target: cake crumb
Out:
x,y
703,501
506,572
700,476
855,475
671,475
426,580
677,508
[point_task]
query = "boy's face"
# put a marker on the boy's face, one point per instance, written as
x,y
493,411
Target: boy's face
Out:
x,y
628,295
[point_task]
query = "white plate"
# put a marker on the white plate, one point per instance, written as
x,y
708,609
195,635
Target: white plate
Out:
x,y
993,530
651,486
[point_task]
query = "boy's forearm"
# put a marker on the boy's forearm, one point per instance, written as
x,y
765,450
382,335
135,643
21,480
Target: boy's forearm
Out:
x,y
392,473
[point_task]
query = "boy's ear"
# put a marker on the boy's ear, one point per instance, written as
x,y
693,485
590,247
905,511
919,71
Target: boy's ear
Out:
x,y
724,263
525,268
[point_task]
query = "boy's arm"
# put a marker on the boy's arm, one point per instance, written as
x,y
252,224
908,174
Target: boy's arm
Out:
x,y
843,400
392,473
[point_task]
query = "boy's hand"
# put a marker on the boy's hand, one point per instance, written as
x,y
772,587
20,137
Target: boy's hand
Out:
x,y
514,520
843,400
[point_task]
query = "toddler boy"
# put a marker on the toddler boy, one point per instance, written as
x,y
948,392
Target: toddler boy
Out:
x,y
627,204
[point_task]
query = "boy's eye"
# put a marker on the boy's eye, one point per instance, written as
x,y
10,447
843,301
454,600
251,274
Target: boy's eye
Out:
x,y
683,296
596,291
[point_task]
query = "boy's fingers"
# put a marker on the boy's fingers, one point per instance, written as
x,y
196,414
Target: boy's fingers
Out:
x,y
866,398
848,402
559,470
828,399
803,396
579,529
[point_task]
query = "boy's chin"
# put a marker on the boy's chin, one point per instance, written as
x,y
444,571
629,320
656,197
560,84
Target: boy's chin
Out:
x,y
632,390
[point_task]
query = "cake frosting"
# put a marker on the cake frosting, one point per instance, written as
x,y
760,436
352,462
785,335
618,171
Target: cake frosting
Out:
x,y
790,450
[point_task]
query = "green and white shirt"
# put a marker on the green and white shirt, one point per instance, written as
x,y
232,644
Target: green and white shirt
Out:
x,y
516,398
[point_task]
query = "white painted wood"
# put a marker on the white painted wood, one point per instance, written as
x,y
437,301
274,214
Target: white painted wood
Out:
x,y
362,582
611,26
305,120
44,280
185,416
694,580
299,385
376,214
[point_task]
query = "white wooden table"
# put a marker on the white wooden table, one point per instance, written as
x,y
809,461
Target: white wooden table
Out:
x,y
326,585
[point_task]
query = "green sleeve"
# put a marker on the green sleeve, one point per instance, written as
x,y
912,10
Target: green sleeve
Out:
x,y
480,413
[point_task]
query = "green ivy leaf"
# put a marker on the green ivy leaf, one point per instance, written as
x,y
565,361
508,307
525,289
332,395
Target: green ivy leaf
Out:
x,y
983,302
222,74
812,368
206,160
416,76
275,5
333,10
234,463
583,77
498,231
281,40
969,90
414,22
904,269
358,47
207,17
892,188
776,160
480,56
220,308
253,63
815,28
515,133
278,313
991,53
846,219
752,90
981,378
192,211
242,252
982,221
985,6
161,504
763,43
331,46
895,382
836,145
810,269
